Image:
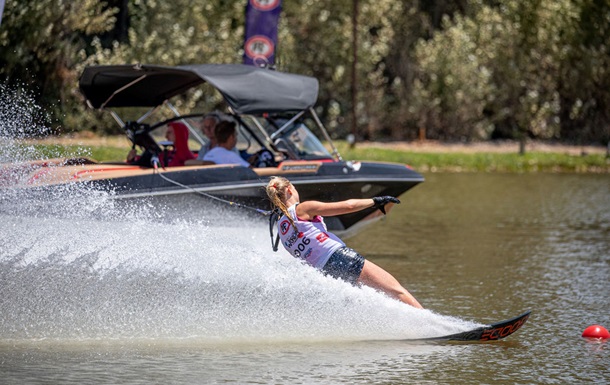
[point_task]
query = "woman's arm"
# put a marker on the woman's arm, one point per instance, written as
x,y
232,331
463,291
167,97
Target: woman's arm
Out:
x,y
309,209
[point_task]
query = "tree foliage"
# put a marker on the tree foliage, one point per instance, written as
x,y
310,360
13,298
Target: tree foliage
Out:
x,y
41,42
502,71
449,69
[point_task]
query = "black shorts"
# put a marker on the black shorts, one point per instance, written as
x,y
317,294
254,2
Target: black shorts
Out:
x,y
345,264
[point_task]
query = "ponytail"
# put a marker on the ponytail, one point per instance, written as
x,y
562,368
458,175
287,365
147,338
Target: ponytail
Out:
x,y
276,191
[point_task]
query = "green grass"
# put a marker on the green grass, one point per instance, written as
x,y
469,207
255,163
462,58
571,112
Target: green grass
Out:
x,y
98,153
423,162
482,162
106,154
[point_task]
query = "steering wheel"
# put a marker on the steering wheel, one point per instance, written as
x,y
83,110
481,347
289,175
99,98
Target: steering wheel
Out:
x,y
263,158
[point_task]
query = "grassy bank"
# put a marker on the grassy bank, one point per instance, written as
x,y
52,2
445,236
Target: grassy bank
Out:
x,y
100,153
436,161
490,160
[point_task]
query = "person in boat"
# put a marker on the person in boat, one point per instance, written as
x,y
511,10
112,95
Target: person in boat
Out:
x,y
208,128
303,233
226,139
177,133
208,125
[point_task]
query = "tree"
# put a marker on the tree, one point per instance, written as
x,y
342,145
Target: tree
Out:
x,y
450,69
584,80
315,39
40,43
494,73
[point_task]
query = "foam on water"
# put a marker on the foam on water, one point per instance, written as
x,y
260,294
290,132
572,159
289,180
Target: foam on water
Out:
x,y
77,264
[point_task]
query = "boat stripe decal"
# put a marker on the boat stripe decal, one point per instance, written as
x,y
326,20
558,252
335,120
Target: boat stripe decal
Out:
x,y
78,174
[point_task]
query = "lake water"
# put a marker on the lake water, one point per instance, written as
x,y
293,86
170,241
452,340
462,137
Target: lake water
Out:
x,y
96,291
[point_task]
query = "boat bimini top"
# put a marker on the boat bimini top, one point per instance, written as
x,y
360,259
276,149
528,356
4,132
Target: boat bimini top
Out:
x,y
247,90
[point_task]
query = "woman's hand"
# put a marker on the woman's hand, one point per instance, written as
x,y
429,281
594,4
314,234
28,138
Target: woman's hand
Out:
x,y
380,202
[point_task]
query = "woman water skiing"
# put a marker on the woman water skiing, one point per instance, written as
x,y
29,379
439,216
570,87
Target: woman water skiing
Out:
x,y
303,233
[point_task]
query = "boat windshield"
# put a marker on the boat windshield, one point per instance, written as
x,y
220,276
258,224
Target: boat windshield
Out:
x,y
245,140
296,140
196,138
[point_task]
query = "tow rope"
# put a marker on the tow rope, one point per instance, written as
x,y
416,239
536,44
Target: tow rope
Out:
x,y
273,215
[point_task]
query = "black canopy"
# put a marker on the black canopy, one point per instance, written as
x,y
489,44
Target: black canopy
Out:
x,y
247,89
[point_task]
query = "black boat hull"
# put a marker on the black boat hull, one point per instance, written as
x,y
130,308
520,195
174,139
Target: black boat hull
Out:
x,y
331,181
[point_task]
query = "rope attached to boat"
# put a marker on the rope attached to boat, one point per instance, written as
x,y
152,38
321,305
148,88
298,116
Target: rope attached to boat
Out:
x,y
230,203
274,215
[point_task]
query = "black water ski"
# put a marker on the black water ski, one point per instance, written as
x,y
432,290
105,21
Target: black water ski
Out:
x,y
491,332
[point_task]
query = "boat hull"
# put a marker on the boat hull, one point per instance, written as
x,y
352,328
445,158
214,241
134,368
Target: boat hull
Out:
x,y
315,180
323,181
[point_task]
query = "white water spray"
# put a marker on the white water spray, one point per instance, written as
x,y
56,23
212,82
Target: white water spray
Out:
x,y
75,263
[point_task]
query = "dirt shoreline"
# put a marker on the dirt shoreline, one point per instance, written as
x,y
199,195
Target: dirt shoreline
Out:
x,y
427,146
430,146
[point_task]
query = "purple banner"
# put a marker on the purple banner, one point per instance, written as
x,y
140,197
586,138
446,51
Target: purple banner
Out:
x,y
1,10
260,39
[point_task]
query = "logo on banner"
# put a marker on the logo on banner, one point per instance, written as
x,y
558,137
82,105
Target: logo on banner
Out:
x,y
259,46
265,5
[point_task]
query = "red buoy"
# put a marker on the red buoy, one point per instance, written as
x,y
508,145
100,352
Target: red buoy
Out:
x,y
596,331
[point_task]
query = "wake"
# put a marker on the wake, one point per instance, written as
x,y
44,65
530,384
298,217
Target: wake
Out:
x,y
86,278
78,264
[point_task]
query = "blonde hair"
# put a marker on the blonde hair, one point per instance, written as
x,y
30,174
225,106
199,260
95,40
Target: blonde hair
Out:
x,y
276,191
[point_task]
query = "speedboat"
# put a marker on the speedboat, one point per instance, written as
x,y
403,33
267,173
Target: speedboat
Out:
x,y
276,120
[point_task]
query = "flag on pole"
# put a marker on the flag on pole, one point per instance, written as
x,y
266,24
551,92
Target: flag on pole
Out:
x,y
260,40
1,10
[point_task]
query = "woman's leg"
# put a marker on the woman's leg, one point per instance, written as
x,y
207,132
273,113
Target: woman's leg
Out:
x,y
377,278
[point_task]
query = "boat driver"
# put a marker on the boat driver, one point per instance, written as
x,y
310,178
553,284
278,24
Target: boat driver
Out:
x,y
226,139
208,127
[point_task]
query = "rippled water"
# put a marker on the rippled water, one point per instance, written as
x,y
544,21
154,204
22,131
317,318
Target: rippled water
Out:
x,y
130,294
95,290
488,246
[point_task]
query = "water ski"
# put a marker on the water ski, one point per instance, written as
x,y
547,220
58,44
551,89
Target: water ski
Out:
x,y
491,332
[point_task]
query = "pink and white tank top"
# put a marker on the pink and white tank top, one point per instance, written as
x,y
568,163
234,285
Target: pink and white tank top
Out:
x,y
310,241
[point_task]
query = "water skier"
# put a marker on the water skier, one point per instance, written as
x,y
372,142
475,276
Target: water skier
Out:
x,y
303,233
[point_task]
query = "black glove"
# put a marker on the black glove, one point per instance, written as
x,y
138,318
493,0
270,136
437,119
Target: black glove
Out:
x,y
380,202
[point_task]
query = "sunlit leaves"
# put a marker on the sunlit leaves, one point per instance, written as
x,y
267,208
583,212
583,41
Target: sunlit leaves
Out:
x,y
454,69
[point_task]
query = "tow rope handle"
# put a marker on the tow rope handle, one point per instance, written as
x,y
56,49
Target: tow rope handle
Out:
x,y
273,218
